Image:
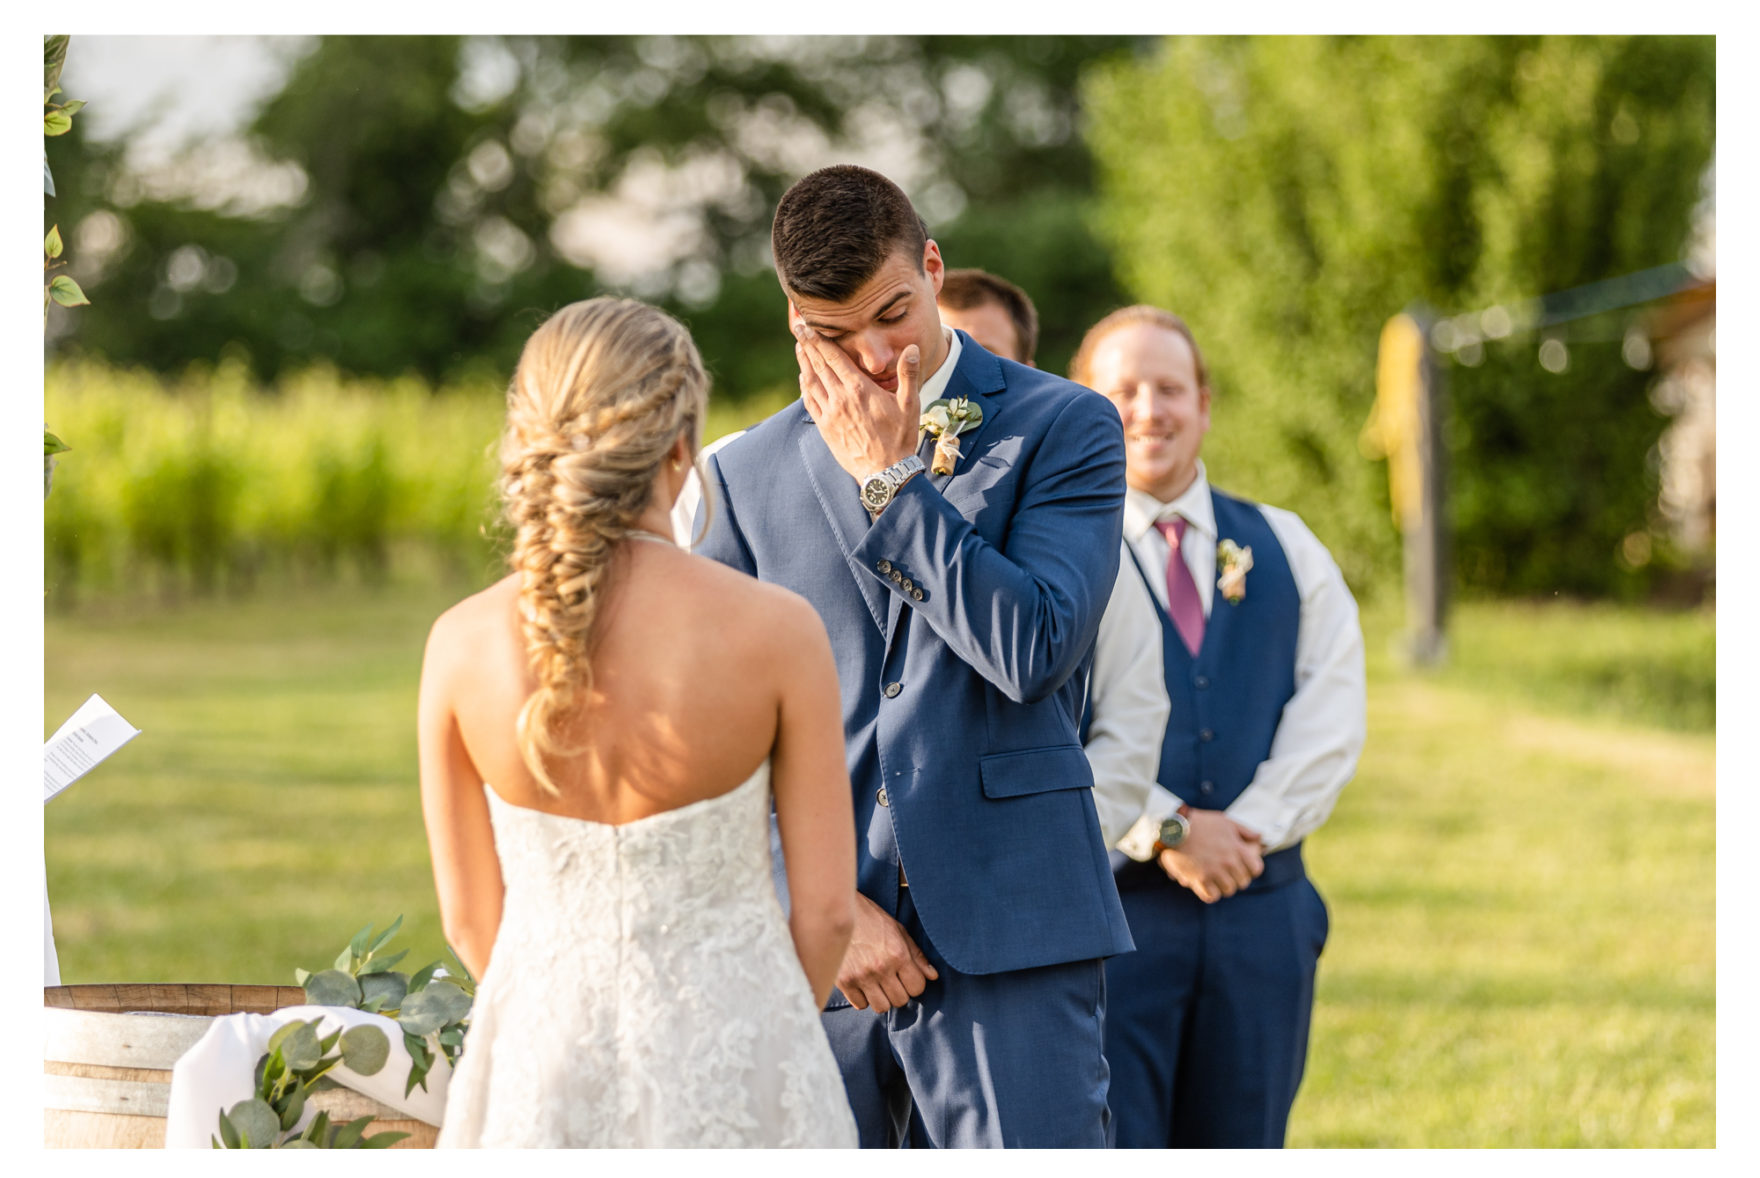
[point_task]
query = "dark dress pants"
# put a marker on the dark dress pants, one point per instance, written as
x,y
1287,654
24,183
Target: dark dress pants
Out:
x,y
1207,1022
1010,1059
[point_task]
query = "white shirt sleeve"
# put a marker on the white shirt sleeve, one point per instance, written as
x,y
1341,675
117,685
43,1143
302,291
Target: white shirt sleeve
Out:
x,y
684,511
1320,735
1130,705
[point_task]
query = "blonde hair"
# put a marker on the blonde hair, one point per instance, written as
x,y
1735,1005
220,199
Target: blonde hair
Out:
x,y
603,391
1081,364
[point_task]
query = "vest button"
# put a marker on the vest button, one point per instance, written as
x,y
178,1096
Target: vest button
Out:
x,y
881,797
1201,682
1206,787
892,690
1206,734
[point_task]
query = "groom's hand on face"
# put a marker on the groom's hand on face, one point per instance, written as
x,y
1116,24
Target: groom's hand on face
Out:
x,y
882,968
866,427
1218,858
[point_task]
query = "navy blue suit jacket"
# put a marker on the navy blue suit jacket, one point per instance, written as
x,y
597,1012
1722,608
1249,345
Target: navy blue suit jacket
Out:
x,y
963,623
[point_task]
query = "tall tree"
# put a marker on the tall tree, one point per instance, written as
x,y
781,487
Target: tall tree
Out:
x,y
1288,195
451,191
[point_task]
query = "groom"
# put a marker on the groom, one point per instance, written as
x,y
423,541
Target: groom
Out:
x,y
963,609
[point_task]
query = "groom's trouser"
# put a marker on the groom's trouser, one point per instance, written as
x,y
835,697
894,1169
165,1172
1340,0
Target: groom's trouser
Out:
x,y
1011,1059
1207,1022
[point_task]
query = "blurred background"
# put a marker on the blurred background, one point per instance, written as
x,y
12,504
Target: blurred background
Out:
x,y
311,263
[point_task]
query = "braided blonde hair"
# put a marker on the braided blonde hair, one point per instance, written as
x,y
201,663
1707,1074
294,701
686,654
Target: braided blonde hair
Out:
x,y
603,391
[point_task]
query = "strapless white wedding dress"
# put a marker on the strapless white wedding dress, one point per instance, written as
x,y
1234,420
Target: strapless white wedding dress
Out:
x,y
644,990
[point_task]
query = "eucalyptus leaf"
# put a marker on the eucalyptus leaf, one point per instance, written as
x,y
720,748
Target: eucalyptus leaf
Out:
x,y
422,976
365,1050
300,976
315,1131
344,960
389,988
379,942
53,445
259,1078
357,944
427,1011
294,1107
298,1143
66,291
329,1041
383,964
301,1049
333,987
348,1135
255,1122
280,1035
383,1140
229,1135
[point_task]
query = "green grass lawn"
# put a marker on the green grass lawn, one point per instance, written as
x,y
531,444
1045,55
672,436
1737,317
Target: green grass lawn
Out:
x,y
1521,877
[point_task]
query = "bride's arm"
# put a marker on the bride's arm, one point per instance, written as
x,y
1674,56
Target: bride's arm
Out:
x,y
461,841
814,813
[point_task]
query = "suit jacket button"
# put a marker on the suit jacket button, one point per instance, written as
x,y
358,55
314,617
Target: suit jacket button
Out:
x,y
885,566
892,690
1201,682
917,593
1206,734
897,577
1206,787
881,797
907,584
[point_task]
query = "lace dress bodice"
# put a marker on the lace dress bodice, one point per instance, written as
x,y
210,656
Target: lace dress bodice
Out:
x,y
644,991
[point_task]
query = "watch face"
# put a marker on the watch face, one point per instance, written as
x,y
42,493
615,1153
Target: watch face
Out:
x,y
1173,832
876,492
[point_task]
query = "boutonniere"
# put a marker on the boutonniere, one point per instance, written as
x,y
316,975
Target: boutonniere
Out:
x,y
945,420
1234,561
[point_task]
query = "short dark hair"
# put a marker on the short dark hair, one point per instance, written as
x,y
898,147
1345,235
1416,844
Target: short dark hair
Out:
x,y
964,289
1081,366
835,228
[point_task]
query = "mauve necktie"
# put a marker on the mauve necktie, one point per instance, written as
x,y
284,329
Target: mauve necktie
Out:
x,y
1183,604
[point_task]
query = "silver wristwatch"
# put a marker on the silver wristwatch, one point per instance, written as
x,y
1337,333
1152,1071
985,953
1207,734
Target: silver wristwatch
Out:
x,y
878,489
1174,829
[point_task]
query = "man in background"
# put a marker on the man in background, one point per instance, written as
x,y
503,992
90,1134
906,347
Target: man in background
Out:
x,y
1207,1022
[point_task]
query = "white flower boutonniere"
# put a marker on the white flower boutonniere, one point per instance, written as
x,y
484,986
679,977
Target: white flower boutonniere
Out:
x,y
945,420
1234,561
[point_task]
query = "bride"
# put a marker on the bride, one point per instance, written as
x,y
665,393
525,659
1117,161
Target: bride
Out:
x,y
601,734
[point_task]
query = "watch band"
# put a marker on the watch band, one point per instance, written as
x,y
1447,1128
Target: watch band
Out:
x,y
879,488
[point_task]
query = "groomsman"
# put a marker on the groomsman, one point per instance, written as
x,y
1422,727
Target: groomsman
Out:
x,y
1207,1023
1127,702
963,592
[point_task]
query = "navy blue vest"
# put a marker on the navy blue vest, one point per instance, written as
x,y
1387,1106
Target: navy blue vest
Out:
x,y
1227,701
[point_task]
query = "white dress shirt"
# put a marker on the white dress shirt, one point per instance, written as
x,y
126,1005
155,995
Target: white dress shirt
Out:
x,y
684,511
1320,734
1130,705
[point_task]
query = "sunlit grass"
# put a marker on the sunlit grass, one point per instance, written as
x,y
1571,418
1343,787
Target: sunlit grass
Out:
x,y
1521,877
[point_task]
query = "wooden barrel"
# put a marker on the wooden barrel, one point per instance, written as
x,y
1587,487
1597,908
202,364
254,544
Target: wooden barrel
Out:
x,y
108,1052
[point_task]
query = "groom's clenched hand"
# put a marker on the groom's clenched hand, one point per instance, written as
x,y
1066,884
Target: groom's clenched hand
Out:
x,y
866,427
882,968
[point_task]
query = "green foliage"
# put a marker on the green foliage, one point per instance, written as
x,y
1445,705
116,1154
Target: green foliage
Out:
x,y
1287,195
426,235
211,483
433,1013
57,288
286,1076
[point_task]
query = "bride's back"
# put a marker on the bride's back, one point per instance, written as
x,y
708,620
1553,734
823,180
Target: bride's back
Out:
x,y
687,672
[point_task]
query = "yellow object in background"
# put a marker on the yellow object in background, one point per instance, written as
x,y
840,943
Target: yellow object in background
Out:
x,y
1392,429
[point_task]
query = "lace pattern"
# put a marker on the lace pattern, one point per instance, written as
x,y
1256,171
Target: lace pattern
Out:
x,y
644,991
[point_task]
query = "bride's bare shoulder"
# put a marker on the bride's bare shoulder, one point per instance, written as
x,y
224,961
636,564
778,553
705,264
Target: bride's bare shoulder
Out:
x,y
758,606
470,620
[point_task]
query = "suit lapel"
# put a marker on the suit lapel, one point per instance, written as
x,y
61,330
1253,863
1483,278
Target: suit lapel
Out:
x,y
978,378
841,501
